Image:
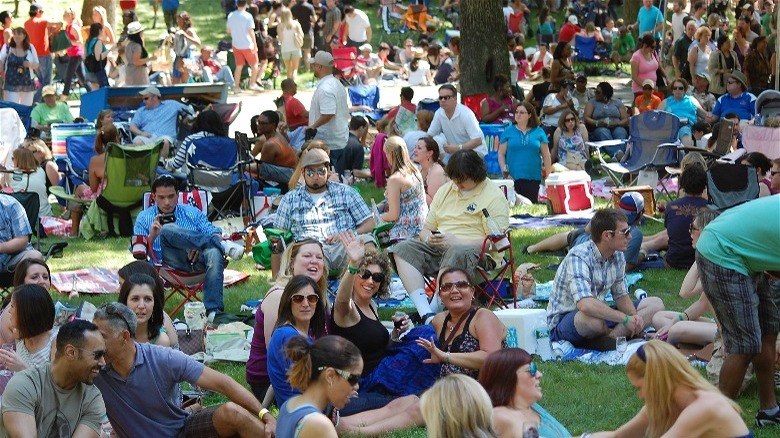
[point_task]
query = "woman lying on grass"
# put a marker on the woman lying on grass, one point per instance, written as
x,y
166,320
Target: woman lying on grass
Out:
x,y
678,400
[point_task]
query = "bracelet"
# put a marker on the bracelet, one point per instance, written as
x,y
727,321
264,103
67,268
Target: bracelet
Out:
x,y
681,317
261,413
352,270
627,318
686,316
447,357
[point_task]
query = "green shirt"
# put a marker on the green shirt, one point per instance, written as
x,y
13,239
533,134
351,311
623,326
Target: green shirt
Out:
x,y
625,44
745,238
43,114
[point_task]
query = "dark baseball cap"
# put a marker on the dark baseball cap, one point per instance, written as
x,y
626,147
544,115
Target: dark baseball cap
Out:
x,y
35,7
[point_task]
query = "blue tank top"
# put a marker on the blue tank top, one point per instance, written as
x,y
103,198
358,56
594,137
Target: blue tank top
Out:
x,y
289,423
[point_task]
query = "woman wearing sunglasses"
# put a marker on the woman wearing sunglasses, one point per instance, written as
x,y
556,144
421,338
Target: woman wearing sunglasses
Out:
x,y
327,372
678,400
355,318
301,313
304,257
467,334
685,107
514,385
568,145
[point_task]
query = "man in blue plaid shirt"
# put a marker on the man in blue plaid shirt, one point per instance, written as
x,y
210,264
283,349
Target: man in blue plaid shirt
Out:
x,y
321,209
15,234
183,238
577,312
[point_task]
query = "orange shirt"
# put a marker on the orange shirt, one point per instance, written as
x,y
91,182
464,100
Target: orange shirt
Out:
x,y
286,157
38,29
653,104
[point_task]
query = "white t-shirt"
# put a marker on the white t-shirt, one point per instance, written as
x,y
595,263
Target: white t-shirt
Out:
x,y
419,76
546,61
33,183
512,69
678,29
461,128
551,101
357,26
331,98
240,23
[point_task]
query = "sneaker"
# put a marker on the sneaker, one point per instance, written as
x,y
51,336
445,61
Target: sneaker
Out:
x,y
233,250
255,87
763,419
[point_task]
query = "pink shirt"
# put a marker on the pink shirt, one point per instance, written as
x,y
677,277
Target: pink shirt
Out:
x,y
646,70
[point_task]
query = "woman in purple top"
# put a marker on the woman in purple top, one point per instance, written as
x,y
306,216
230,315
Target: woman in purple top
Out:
x,y
301,258
500,107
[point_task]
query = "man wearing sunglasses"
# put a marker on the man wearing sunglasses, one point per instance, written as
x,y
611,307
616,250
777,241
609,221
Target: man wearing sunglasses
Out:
x,y
139,383
454,126
59,399
321,209
578,311
157,119
736,100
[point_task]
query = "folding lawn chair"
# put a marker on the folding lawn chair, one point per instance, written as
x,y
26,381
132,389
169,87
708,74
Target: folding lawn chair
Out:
x,y
367,95
393,26
729,184
416,18
345,60
587,51
498,283
61,132
75,166
130,170
652,145
216,166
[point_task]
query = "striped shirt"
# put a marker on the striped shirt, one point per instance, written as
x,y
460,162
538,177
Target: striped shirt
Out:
x,y
187,217
584,273
340,208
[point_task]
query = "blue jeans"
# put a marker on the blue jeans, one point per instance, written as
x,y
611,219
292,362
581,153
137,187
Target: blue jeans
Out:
x,y
44,74
616,133
177,242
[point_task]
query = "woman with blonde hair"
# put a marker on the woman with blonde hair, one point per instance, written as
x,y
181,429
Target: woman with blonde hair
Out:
x,y
678,400
457,406
699,56
183,39
99,15
45,159
289,30
405,194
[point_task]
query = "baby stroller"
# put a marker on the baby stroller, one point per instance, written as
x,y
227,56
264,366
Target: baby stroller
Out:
x,y
767,106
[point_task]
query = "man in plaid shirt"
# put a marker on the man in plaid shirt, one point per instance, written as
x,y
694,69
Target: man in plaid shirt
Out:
x,y
15,234
321,209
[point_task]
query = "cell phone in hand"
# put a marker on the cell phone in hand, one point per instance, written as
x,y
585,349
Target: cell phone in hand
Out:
x,y
437,232
166,218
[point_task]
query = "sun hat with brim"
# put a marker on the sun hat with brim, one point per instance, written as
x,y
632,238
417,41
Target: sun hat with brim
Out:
x,y
49,90
322,58
704,75
648,83
366,48
134,28
738,75
314,157
632,204
418,53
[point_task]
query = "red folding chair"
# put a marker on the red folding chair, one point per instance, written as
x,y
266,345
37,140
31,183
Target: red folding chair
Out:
x,y
473,102
498,282
345,60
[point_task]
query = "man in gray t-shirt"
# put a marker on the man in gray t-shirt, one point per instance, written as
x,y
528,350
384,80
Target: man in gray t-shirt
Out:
x,y
59,399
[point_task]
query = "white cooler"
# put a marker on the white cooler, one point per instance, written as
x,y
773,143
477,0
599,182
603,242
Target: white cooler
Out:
x,y
520,326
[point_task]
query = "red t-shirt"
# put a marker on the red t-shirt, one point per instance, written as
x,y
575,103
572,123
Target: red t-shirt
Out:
x,y
408,105
293,111
38,29
568,31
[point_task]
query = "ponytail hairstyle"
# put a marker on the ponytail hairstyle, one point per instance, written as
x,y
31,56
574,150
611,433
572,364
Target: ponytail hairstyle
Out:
x,y
107,134
310,360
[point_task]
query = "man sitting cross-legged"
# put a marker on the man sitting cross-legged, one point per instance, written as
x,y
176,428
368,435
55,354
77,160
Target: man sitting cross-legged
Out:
x,y
59,399
454,229
577,312
182,237
139,386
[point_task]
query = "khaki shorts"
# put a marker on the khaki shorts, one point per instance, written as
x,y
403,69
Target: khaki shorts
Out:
x,y
429,261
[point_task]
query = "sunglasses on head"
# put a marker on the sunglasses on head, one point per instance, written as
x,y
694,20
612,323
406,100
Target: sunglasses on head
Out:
x,y
322,171
626,231
312,299
378,277
113,310
352,379
460,285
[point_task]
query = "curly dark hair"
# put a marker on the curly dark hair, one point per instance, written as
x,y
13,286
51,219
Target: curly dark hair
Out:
x,y
373,257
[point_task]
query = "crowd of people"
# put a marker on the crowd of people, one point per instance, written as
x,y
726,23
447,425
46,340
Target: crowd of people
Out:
x,y
330,365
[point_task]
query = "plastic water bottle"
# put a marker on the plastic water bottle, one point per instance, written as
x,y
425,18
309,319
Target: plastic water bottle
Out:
x,y
377,219
543,344
498,237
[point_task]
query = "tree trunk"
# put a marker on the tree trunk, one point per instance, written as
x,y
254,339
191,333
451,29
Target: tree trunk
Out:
x,y
483,46
630,11
110,5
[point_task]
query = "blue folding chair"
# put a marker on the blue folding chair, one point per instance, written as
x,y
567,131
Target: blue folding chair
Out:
x,y
367,95
588,51
215,166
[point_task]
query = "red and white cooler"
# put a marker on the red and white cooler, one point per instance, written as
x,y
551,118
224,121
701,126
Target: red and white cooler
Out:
x,y
569,191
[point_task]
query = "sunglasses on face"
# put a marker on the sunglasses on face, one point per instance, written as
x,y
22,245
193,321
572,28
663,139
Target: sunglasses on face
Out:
x,y
532,369
445,98
678,88
460,285
322,171
568,119
378,277
312,299
352,379
626,231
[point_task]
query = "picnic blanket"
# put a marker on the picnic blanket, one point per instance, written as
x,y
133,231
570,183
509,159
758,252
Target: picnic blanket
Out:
x,y
607,357
106,281
575,219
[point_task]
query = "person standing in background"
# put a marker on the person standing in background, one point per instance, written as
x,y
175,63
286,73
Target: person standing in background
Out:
x,y
37,28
